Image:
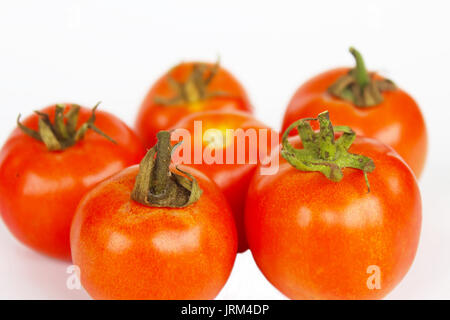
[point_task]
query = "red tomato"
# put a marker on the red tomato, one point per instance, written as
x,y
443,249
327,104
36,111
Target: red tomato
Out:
x,y
188,88
314,238
396,120
232,177
127,250
40,189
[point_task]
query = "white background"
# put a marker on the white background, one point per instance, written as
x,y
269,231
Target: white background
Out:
x,y
85,51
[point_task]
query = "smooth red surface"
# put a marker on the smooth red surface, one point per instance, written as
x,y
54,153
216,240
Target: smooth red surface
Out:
x,y
315,239
154,117
40,189
397,121
232,178
126,250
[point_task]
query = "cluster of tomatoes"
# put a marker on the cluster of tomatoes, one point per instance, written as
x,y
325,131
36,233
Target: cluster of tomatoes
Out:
x,y
343,202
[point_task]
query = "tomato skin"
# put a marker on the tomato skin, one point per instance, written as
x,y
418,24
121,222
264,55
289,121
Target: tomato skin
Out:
x,y
397,121
40,189
126,250
314,238
232,178
154,117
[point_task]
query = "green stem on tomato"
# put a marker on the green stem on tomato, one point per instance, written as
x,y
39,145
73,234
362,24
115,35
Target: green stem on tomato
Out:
x,y
358,87
157,186
321,152
162,163
195,88
361,74
62,133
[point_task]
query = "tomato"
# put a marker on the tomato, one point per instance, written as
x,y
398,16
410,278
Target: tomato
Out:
x,y
40,188
232,175
188,88
314,238
392,116
131,250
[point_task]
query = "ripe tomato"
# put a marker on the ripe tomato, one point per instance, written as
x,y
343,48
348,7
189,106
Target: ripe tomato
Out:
x,y
40,189
318,239
392,116
188,88
251,144
128,250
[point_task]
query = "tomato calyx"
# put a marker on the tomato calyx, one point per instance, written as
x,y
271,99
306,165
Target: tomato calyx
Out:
x,y
321,152
195,88
62,133
157,186
358,85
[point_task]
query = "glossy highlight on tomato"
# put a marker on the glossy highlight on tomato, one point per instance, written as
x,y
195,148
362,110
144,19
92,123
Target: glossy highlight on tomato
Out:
x,y
126,250
40,189
178,94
